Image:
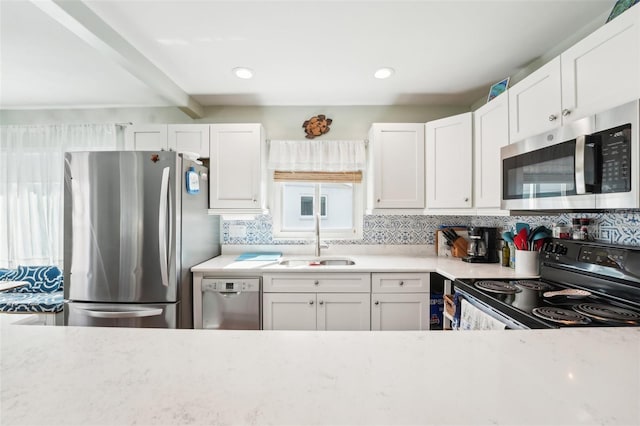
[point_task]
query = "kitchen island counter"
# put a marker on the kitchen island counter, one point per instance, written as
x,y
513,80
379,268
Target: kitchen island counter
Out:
x,y
75,375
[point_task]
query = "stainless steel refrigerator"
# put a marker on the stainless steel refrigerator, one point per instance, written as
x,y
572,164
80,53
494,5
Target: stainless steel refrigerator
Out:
x,y
135,222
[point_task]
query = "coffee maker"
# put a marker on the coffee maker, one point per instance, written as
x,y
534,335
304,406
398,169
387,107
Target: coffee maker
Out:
x,y
483,245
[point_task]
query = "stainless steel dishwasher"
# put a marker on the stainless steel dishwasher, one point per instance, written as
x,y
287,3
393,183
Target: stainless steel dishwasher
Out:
x,y
231,303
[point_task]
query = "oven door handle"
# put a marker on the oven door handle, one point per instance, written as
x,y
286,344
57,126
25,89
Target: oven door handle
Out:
x,y
580,165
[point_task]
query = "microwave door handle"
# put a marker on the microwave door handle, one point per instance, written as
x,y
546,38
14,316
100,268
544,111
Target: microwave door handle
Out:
x,y
581,187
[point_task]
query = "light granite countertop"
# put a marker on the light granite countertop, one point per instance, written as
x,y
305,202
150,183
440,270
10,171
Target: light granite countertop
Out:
x,y
124,376
449,267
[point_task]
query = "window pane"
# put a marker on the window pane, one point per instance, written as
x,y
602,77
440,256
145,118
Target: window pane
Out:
x,y
297,206
306,205
336,206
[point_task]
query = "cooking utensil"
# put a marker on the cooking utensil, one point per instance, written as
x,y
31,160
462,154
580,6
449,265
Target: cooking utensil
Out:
x,y
538,233
572,293
520,226
508,236
447,234
520,240
459,244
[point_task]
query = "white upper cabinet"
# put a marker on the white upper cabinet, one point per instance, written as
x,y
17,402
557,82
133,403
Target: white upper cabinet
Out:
x,y
599,72
189,138
397,165
491,132
146,137
534,103
603,70
449,144
168,137
236,167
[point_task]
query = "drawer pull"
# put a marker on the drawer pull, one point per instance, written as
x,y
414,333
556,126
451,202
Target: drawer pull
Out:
x,y
321,303
376,302
316,282
401,283
311,302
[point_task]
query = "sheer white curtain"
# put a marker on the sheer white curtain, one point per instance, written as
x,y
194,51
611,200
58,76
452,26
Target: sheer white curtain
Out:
x,y
317,155
31,186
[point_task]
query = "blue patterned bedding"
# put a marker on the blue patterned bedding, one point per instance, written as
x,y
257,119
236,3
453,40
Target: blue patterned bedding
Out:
x,y
32,302
42,294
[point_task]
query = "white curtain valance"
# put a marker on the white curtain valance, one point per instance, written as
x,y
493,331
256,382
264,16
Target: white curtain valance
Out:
x,y
317,156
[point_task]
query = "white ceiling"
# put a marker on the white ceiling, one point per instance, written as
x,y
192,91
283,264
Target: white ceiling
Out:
x,y
444,52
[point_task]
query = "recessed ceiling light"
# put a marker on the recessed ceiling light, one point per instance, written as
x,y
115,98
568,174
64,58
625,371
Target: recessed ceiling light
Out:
x,y
384,73
242,72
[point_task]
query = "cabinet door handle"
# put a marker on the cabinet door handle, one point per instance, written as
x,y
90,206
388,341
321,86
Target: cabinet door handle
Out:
x,y
254,199
401,283
376,302
466,199
311,302
553,117
316,282
321,302
565,112
378,200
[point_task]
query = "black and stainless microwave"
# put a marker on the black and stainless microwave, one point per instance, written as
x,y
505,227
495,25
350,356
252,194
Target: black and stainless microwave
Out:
x,y
590,163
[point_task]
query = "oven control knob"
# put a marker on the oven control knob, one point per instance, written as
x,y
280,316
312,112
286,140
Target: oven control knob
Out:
x,y
557,249
564,250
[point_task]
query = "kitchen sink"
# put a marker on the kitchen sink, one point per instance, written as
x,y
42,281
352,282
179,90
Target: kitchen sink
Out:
x,y
316,262
345,262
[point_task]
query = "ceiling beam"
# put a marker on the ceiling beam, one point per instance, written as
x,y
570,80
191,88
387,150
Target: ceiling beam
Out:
x,y
83,22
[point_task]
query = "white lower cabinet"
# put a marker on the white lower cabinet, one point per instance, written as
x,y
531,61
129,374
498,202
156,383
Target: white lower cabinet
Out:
x,y
316,311
308,301
289,311
400,311
400,301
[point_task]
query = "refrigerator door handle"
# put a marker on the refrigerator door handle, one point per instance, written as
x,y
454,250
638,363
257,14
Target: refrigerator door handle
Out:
x,y
162,227
138,313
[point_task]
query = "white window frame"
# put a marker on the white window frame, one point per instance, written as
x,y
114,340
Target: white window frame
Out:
x,y
359,190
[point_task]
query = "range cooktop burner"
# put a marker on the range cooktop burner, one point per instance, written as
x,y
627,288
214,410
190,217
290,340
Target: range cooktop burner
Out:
x,y
561,316
608,313
500,287
532,285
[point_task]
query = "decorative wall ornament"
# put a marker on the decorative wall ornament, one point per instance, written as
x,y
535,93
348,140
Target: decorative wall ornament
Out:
x,y
316,126
498,88
621,6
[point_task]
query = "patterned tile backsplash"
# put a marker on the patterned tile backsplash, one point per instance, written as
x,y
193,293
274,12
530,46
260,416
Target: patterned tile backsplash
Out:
x,y
620,227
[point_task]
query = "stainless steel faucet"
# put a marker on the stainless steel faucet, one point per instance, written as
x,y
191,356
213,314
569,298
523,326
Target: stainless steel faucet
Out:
x,y
318,245
317,234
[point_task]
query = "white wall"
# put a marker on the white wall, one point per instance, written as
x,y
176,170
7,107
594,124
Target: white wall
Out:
x,y
349,122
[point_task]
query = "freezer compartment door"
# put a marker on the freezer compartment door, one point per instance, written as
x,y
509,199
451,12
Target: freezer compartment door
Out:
x,y
120,226
121,315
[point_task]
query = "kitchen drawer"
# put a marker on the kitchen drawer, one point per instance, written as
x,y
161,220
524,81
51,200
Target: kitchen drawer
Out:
x,y
316,283
399,283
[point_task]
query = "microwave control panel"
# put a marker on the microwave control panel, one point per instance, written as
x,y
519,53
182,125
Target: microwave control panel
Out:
x,y
615,148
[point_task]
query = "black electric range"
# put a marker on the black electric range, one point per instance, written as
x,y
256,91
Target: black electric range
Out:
x,y
582,284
